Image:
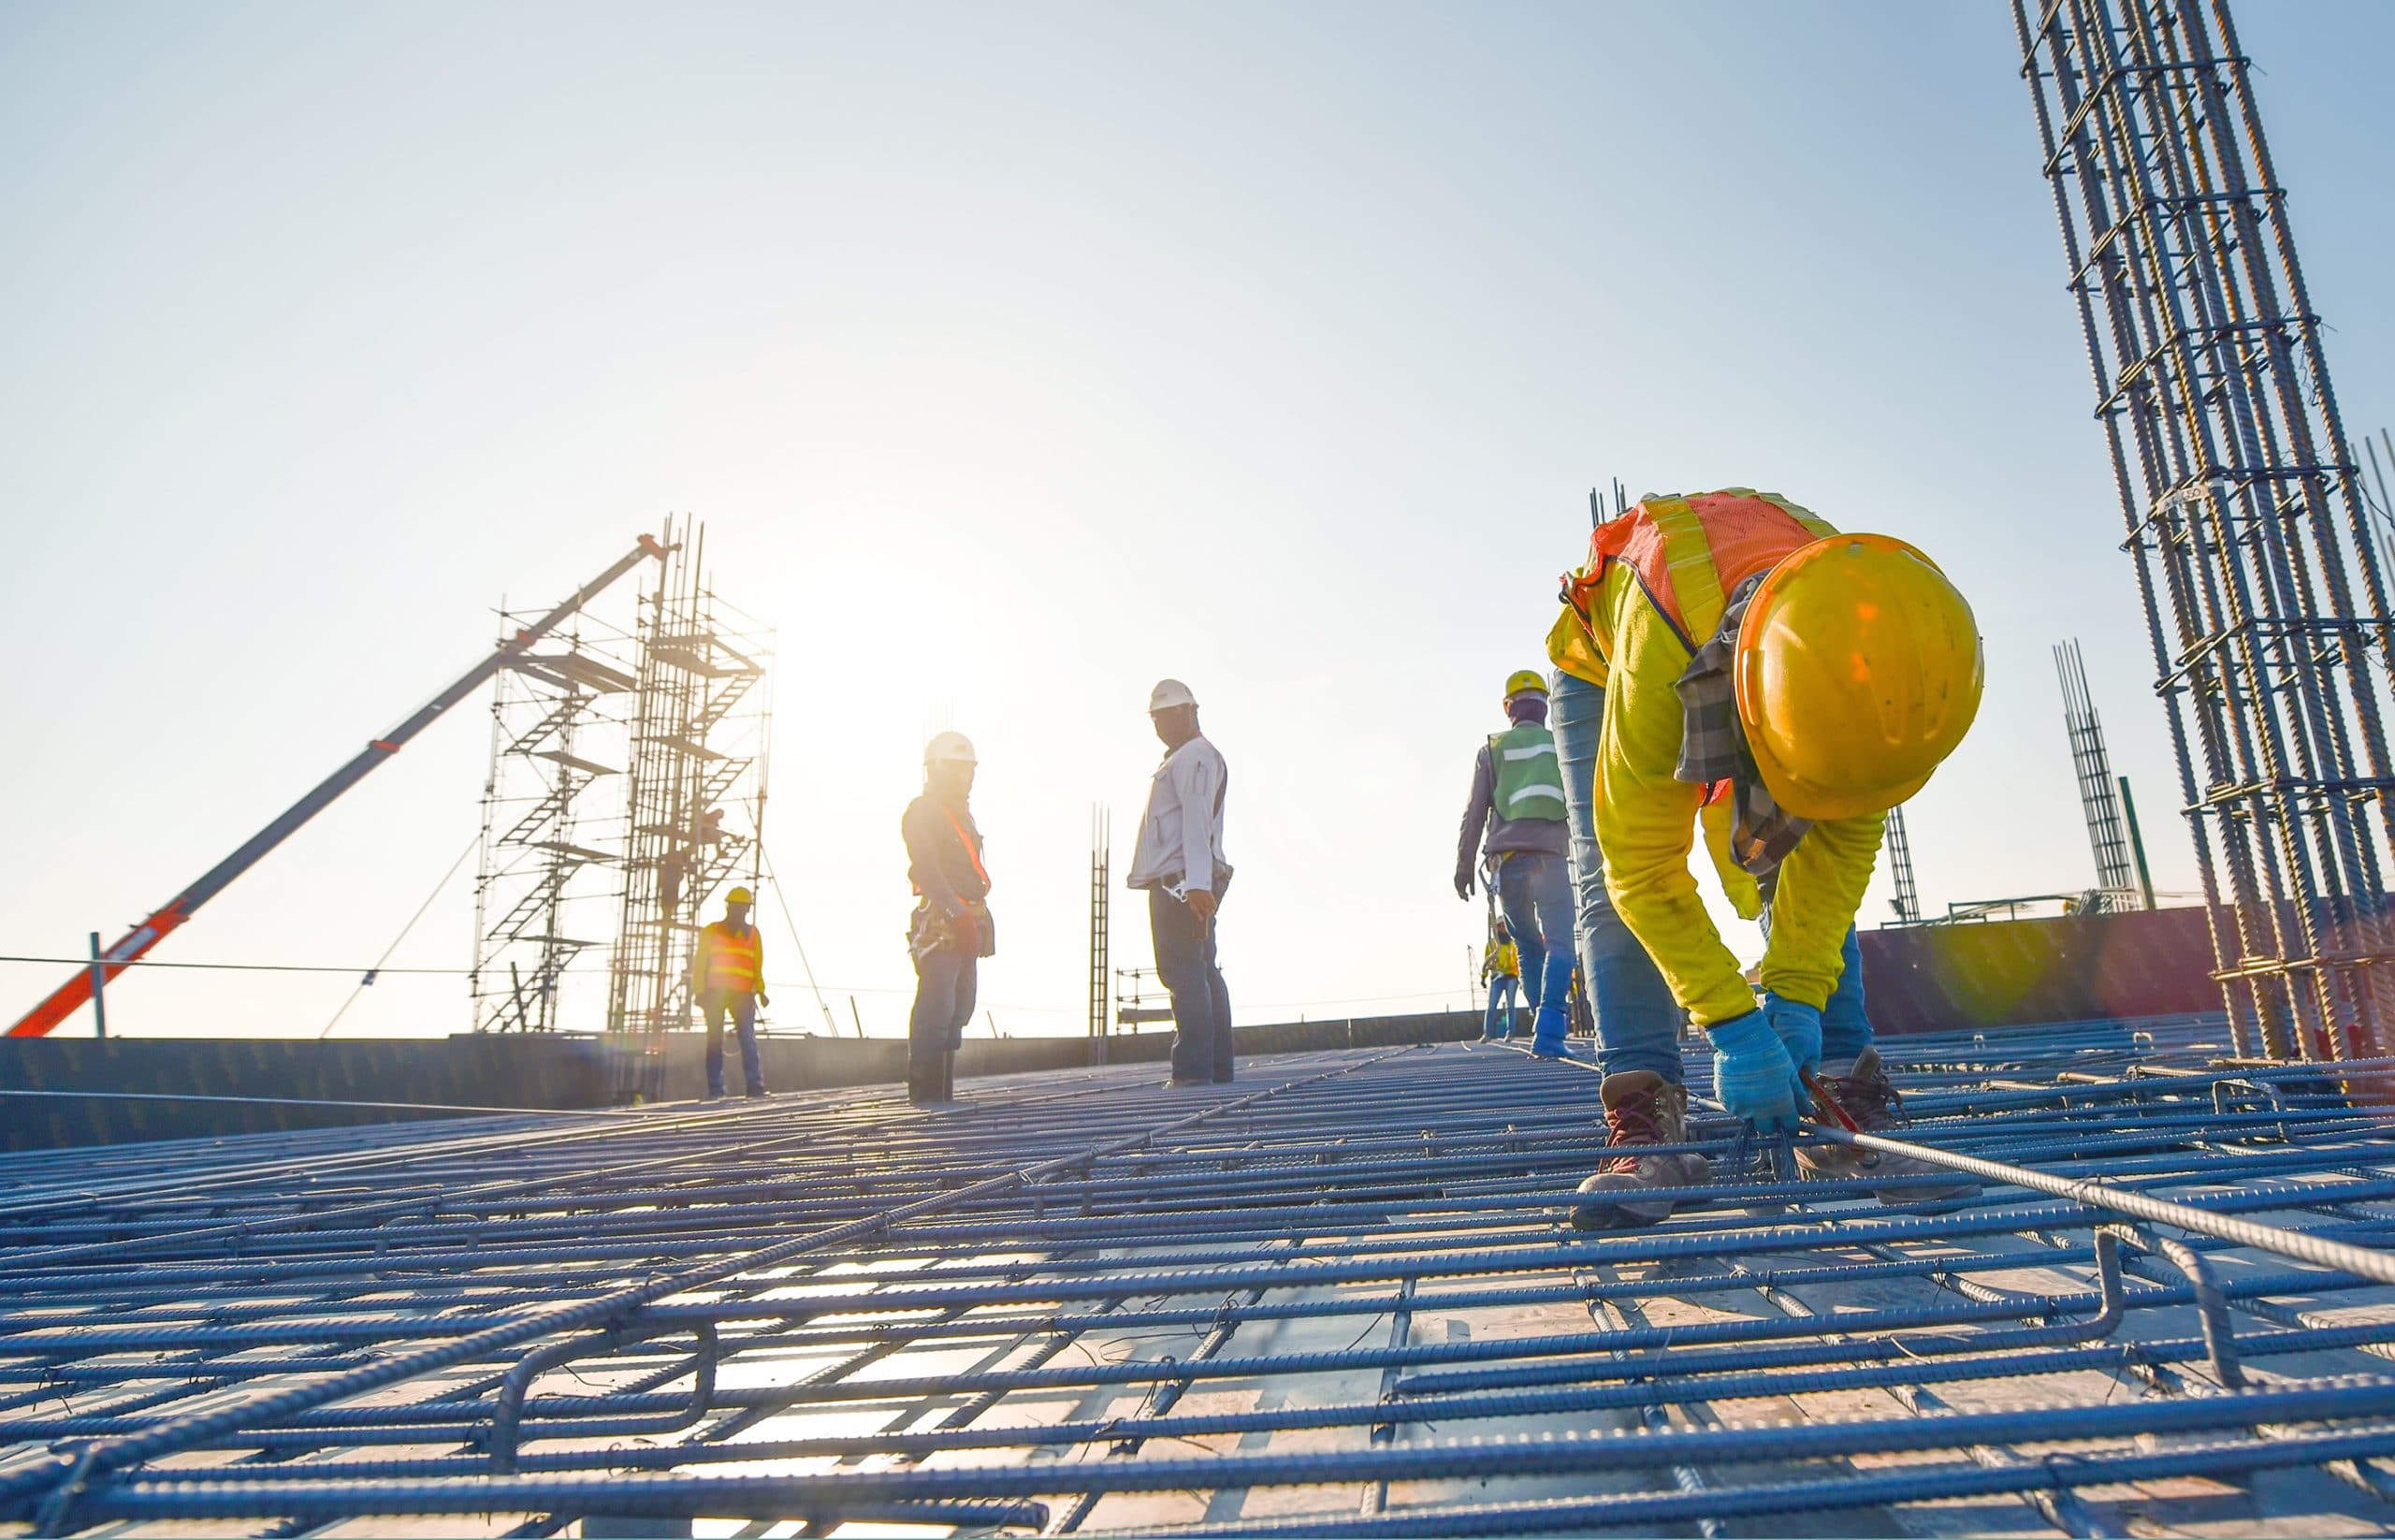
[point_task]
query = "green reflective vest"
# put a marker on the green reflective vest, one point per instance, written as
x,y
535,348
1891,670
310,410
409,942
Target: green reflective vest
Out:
x,y
1530,782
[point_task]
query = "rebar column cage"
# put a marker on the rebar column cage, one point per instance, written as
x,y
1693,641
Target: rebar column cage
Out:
x,y
1907,902
551,833
2264,598
1102,900
2100,796
696,798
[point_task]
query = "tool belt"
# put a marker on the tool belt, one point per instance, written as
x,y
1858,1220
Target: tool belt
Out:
x,y
931,930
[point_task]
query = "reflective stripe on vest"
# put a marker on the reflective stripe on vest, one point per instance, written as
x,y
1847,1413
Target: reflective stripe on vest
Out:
x,y
1530,781
733,963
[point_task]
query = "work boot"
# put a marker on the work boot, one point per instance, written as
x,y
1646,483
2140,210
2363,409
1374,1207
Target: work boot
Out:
x,y
1867,1096
923,1086
947,1076
1641,1108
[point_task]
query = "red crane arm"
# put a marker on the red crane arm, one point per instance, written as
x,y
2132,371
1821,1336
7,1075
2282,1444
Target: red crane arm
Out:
x,y
63,1001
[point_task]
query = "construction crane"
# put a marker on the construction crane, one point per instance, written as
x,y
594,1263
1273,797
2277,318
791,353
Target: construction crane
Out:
x,y
69,997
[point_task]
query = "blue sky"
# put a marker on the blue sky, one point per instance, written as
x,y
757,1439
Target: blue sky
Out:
x,y
1016,356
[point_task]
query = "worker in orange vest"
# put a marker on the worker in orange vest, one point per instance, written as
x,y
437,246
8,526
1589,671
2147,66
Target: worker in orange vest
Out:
x,y
1728,659
951,930
729,979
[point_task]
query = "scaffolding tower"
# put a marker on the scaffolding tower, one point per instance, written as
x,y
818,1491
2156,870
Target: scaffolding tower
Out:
x,y
2264,597
1908,900
694,797
550,830
2117,879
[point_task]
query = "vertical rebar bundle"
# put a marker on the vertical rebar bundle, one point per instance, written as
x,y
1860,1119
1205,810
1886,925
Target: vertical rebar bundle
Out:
x,y
1100,898
2264,598
1907,899
2117,879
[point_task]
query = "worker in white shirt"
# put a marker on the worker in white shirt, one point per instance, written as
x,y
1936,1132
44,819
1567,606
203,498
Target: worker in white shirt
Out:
x,y
1180,864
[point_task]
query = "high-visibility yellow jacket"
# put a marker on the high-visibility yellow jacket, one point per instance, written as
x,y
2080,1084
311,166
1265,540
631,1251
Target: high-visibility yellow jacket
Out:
x,y
1653,591
729,961
1501,959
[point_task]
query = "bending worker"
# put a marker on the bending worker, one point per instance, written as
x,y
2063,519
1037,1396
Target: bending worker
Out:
x,y
729,977
1518,796
1501,970
951,932
1180,862
1728,653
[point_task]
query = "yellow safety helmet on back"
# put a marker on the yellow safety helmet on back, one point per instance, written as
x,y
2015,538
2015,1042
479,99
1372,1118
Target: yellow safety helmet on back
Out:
x,y
1858,671
1524,682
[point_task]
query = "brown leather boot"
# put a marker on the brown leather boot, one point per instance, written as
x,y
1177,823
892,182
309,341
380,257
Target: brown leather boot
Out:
x,y
1641,1108
1869,1098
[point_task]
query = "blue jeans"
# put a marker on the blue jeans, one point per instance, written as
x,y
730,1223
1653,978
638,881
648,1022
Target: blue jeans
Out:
x,y
1201,1006
742,1010
1534,891
946,982
1638,1023
1501,998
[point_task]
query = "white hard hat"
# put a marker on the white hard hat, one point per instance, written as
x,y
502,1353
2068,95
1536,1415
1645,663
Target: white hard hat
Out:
x,y
949,747
1167,694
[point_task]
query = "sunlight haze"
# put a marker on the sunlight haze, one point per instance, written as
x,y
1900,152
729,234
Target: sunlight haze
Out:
x,y
1016,357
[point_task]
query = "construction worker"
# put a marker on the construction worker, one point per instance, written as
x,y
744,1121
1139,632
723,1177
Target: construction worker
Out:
x,y
672,868
1501,970
1518,798
729,977
1180,864
1729,657
951,931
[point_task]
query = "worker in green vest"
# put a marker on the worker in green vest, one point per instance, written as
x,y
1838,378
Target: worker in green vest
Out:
x,y
1515,822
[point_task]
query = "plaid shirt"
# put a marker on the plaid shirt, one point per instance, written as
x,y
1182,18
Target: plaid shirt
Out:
x,y
1713,748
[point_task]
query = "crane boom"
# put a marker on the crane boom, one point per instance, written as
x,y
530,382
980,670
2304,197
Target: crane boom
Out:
x,y
69,997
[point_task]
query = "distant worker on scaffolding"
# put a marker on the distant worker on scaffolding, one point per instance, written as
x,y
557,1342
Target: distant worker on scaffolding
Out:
x,y
729,977
952,931
1180,864
1729,659
672,868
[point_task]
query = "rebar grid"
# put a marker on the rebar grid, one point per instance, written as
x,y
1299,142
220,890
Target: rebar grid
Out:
x,y
1338,1297
2099,796
2265,605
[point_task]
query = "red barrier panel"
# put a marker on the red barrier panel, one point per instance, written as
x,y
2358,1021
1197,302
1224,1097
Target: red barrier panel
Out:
x,y
2015,972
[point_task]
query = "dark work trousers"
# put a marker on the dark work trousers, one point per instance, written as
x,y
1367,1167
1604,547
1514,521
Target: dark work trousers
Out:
x,y
1201,1006
742,1010
943,986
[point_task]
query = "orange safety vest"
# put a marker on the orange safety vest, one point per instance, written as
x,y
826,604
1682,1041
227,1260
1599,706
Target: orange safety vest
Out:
x,y
734,965
1690,554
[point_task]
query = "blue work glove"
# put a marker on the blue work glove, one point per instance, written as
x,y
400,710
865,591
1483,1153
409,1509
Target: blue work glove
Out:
x,y
1799,1026
1752,1074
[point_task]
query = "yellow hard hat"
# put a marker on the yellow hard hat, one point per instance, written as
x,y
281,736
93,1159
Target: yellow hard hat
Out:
x,y
740,895
1858,671
1524,682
